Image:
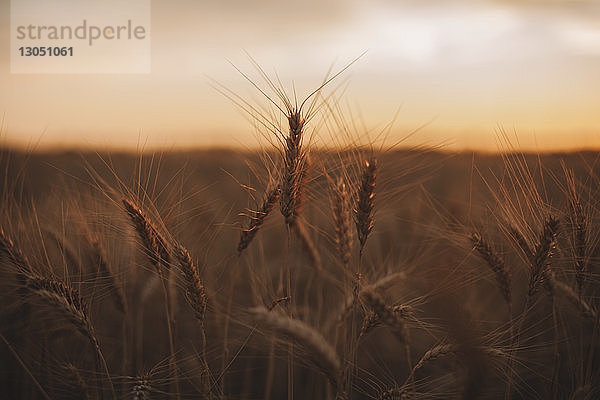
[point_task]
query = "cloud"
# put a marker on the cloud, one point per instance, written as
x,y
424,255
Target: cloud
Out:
x,y
582,39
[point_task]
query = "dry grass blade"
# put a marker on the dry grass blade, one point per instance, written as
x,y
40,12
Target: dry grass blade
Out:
x,y
496,264
257,218
321,353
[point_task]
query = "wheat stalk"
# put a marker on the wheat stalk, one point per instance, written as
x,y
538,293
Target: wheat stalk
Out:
x,y
159,255
198,300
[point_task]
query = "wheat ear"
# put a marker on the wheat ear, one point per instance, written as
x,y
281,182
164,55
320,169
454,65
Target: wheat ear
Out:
x,y
445,349
340,208
257,218
539,272
385,313
363,213
580,234
67,300
155,245
14,254
159,255
372,320
540,266
379,285
321,353
141,388
395,393
198,300
294,169
196,292
496,264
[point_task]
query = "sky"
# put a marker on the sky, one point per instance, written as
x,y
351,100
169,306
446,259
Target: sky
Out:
x,y
458,71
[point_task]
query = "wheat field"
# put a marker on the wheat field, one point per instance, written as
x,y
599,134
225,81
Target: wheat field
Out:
x,y
351,272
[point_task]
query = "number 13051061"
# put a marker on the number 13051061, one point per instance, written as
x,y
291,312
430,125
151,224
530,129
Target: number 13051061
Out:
x,y
46,51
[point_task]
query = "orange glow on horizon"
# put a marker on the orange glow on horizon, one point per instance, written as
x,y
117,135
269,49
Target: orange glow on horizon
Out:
x,y
463,69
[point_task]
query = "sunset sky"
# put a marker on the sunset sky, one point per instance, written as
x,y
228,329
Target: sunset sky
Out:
x,y
464,68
